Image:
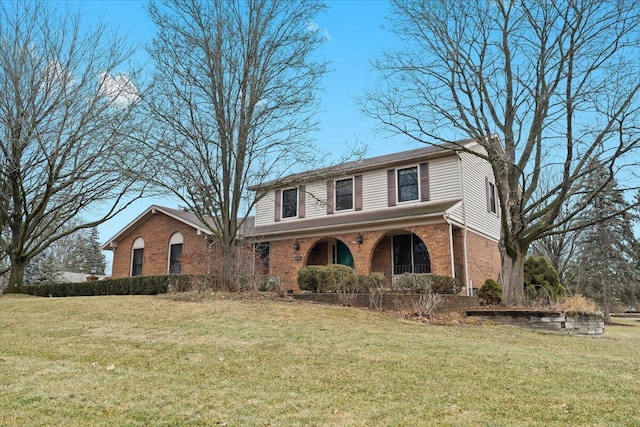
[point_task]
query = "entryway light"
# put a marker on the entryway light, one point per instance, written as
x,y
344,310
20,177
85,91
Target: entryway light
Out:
x,y
359,239
296,245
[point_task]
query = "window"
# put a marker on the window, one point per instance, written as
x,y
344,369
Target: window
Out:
x,y
492,205
175,253
408,184
137,257
410,255
290,203
344,194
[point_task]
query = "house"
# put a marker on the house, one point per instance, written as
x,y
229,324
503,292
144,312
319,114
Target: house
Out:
x,y
428,210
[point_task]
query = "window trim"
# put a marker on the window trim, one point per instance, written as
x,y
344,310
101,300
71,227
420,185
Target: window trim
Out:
x,y
176,239
417,184
352,194
138,245
283,206
492,197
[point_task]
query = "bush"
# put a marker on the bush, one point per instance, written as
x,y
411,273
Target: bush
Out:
x,y
328,278
491,292
541,280
576,303
138,285
427,304
445,285
415,283
375,280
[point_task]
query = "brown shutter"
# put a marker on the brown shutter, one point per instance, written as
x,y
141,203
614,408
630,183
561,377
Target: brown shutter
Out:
x,y
301,201
357,190
329,197
425,196
278,201
391,187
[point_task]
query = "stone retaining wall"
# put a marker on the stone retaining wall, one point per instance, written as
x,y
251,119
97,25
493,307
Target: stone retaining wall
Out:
x,y
389,301
564,322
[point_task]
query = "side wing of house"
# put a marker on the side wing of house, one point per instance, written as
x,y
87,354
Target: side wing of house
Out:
x,y
159,242
478,221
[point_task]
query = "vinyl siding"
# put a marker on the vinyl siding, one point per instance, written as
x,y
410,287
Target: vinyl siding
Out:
x,y
444,184
475,170
316,199
265,209
444,178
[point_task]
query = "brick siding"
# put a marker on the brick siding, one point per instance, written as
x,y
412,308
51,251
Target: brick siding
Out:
x,y
156,230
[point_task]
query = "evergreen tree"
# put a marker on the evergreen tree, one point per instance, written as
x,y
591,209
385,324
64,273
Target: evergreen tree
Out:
x,y
83,253
606,266
43,268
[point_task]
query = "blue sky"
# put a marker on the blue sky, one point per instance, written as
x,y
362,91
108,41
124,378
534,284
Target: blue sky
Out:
x,y
354,37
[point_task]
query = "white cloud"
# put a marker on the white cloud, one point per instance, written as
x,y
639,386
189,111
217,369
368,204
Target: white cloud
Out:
x,y
119,89
314,27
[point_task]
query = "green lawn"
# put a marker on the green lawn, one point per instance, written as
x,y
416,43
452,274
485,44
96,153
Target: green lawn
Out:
x,y
137,361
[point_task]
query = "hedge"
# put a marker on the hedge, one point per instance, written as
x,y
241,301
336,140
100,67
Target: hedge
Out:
x,y
138,285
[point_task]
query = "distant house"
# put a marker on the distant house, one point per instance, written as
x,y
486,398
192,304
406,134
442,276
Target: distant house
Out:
x,y
429,210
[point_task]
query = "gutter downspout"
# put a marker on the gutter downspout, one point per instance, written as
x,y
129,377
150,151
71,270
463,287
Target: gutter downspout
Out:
x,y
453,264
469,282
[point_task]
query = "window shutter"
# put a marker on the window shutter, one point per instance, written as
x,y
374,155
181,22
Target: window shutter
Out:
x,y
357,190
425,196
329,197
391,187
278,201
301,201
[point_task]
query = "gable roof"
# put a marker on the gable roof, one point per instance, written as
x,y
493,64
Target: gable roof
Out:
x,y
362,165
185,217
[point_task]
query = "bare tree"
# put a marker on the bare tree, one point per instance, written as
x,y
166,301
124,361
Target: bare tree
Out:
x,y
546,87
65,116
233,102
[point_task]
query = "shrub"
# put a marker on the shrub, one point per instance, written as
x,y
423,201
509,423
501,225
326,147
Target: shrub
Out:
x,y
427,304
308,278
376,284
328,278
138,285
541,280
491,292
416,283
445,284
371,281
576,303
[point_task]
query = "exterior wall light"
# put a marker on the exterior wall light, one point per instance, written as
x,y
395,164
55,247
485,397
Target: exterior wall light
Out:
x,y
296,245
359,239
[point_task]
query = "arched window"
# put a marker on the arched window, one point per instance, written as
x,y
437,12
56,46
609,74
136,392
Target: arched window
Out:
x,y
137,257
175,253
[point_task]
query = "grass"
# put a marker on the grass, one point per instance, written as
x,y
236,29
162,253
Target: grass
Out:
x,y
137,361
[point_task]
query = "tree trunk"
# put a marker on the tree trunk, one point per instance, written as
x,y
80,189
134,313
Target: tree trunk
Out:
x,y
512,276
16,276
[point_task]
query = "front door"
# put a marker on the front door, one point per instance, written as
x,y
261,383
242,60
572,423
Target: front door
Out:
x,y
344,256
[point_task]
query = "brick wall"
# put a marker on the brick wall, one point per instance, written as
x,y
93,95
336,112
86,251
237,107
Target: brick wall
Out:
x,y
374,254
483,259
156,230
393,301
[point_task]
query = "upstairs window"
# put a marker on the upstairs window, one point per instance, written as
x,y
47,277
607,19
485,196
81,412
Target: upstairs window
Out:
x,y
492,204
290,203
408,184
344,194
